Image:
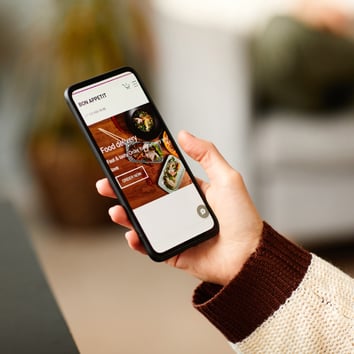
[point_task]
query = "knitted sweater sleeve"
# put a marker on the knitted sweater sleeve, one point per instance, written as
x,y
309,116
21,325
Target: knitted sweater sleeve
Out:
x,y
284,300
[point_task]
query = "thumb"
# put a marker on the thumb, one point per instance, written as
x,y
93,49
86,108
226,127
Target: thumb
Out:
x,y
206,154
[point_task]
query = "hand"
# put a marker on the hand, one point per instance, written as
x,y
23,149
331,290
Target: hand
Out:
x,y
220,258
325,15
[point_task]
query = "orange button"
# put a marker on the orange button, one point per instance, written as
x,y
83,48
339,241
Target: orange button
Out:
x,y
131,177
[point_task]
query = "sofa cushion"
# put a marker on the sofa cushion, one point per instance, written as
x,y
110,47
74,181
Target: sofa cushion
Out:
x,y
284,139
304,173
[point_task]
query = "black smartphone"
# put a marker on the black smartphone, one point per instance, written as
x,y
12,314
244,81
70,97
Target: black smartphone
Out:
x,y
142,162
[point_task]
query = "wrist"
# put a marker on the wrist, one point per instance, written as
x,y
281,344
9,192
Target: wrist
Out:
x,y
265,282
243,251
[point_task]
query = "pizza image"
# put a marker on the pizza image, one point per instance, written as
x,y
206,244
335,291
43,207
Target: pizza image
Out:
x,y
168,144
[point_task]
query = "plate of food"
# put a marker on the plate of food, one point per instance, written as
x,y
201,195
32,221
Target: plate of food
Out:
x,y
144,152
143,122
171,174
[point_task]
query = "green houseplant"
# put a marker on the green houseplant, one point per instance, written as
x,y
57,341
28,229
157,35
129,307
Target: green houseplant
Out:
x,y
87,37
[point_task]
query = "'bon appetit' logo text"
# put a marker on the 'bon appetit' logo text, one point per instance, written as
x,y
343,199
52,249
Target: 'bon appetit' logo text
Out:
x,y
92,99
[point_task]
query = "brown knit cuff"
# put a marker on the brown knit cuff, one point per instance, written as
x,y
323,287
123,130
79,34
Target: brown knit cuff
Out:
x,y
265,282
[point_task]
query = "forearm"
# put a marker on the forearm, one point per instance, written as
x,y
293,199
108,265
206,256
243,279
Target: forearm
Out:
x,y
284,292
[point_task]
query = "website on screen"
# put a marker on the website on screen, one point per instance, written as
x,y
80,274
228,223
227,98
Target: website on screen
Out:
x,y
139,152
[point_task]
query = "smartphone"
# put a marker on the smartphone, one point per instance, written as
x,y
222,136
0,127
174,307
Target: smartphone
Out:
x,y
142,162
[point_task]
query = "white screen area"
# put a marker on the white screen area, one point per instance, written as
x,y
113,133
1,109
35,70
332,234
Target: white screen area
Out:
x,y
170,211
173,219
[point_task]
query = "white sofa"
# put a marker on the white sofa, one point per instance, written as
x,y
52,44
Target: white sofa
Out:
x,y
299,169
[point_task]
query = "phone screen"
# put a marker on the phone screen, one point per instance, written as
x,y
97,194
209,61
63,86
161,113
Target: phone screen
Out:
x,y
134,144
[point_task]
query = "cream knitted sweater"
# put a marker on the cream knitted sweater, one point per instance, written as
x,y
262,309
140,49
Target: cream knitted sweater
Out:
x,y
285,300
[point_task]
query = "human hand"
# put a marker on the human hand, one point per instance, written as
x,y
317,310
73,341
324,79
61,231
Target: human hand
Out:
x,y
220,258
325,15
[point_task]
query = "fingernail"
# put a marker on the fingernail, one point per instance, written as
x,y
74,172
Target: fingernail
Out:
x,y
187,133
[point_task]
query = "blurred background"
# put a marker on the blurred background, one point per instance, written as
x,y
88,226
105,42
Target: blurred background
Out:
x,y
270,83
